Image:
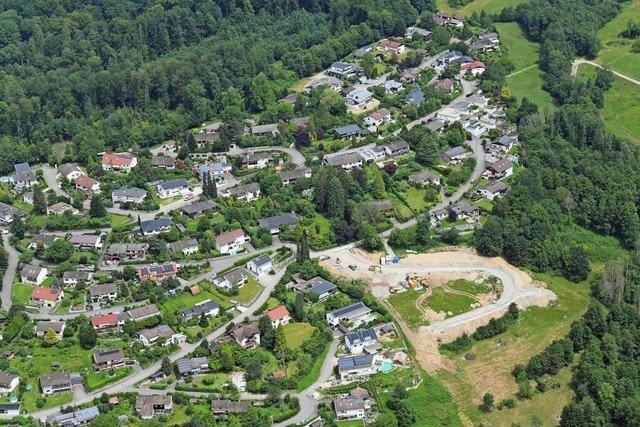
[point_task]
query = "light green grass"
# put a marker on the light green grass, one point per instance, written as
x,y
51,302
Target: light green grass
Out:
x,y
532,332
297,333
616,50
621,105
485,204
415,198
468,286
96,380
528,83
351,423
490,6
117,220
185,300
519,50
405,304
441,300
21,293
249,291
402,209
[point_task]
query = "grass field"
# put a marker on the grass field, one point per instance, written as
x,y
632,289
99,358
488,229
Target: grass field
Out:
x,y
118,220
616,50
405,304
415,198
402,209
467,286
297,333
528,83
490,6
21,293
185,300
533,331
96,380
441,300
621,105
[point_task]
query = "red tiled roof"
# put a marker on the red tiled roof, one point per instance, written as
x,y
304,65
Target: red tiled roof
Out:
x,y
116,159
226,238
470,65
278,313
86,182
104,319
45,293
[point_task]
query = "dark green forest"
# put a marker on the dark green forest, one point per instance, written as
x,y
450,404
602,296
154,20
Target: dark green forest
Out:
x,y
113,74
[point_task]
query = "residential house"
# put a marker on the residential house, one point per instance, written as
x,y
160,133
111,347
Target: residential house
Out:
x,y
348,408
445,86
455,155
206,307
503,168
231,242
163,162
55,382
392,87
343,70
504,143
261,131
361,340
425,178
141,313
10,409
74,418
247,192
60,208
234,278
108,359
158,272
359,98
346,161
318,286
415,96
119,162
396,148
23,180
128,195
170,145
449,114
172,188
33,274
279,316
446,20
391,46
491,36
411,31
87,185
492,190
253,160
22,167
228,407
289,177
152,336
218,171
127,251
435,125
8,213
374,154
47,296
274,223
356,367
260,265
91,242
44,240
153,404
474,68
353,315
378,118
460,210
72,278
187,247
349,131
107,322
70,171
449,57
103,292
43,326
8,382
382,206
247,335
332,82
193,366
199,208
155,226
410,75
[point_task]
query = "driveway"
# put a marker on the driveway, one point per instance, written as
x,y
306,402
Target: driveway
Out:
x,y
50,177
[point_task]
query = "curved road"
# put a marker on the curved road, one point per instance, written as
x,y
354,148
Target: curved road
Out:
x,y
578,62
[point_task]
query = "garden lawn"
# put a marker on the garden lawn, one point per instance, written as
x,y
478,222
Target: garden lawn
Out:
x,y
351,423
297,333
441,300
533,331
249,291
515,45
21,293
405,304
616,50
485,204
403,210
117,220
490,6
621,105
96,380
185,300
415,198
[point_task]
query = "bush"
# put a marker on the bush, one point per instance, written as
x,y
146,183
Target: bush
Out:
x,y
459,345
509,403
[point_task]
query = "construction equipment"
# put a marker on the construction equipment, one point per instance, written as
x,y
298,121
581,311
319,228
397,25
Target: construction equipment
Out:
x,y
415,281
375,268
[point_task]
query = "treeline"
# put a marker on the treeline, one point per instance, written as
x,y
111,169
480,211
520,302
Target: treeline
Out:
x,y
124,74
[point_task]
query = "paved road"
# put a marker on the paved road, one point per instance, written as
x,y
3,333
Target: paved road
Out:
x,y
50,177
295,156
578,62
9,274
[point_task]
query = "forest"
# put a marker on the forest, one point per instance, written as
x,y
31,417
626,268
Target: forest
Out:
x,y
110,75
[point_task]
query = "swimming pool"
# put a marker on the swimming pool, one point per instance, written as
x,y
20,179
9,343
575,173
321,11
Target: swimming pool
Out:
x,y
387,366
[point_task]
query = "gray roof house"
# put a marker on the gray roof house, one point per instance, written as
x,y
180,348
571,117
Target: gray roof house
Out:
x,y
199,208
192,366
353,314
208,308
133,195
415,96
425,177
74,418
349,131
346,161
274,223
156,226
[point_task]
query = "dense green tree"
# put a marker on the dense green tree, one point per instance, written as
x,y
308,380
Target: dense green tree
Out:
x,y
96,207
87,336
39,201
